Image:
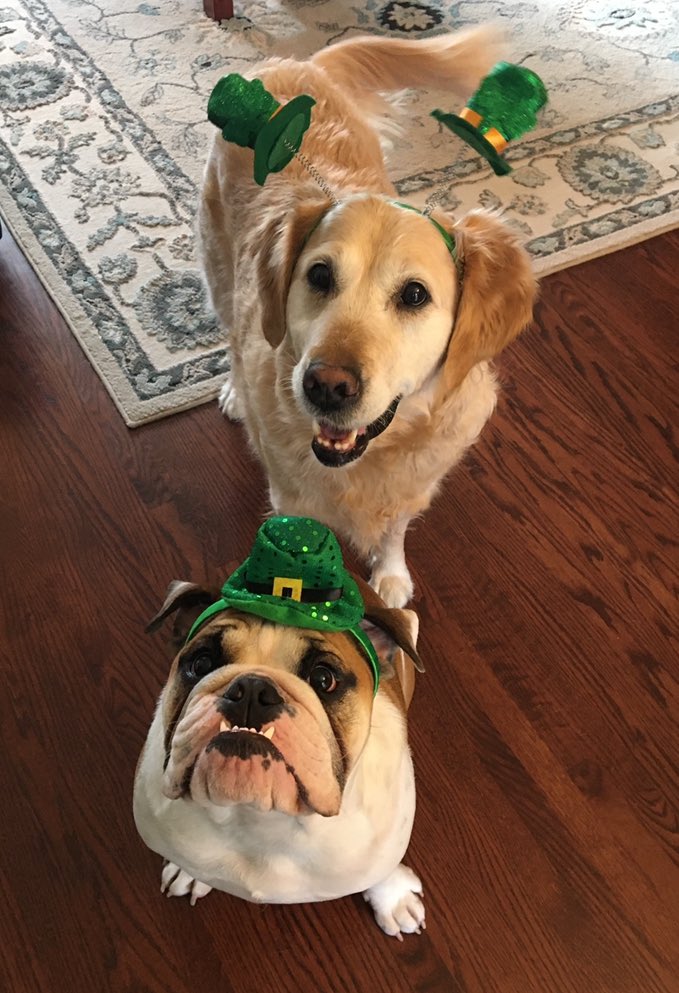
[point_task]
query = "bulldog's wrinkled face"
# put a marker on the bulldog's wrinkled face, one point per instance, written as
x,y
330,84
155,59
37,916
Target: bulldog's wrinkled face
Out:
x,y
267,715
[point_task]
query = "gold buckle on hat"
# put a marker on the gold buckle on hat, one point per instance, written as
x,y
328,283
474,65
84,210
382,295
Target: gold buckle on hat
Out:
x,y
289,589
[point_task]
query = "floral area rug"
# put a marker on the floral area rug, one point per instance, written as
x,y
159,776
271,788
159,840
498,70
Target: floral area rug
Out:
x,y
103,136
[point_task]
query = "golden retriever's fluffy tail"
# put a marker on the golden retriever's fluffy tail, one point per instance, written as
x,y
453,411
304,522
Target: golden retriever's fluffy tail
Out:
x,y
369,65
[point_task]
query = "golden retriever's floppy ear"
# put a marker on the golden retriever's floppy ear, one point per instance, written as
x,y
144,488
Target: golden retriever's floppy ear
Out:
x,y
498,290
282,242
187,600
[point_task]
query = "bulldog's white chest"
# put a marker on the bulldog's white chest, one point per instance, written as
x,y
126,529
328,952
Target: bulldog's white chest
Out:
x,y
273,858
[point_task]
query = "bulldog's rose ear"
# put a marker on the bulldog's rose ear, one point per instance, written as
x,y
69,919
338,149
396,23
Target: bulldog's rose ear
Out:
x,y
188,600
394,635
402,626
389,629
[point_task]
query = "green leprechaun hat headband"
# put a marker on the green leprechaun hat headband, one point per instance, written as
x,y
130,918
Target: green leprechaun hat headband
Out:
x,y
295,575
504,107
250,116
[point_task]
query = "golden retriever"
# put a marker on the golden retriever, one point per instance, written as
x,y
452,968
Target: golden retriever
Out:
x,y
360,348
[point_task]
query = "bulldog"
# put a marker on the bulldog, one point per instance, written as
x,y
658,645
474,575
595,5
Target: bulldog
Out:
x,y
277,765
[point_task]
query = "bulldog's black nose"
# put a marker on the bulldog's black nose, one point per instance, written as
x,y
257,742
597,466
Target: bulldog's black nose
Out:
x,y
251,701
331,387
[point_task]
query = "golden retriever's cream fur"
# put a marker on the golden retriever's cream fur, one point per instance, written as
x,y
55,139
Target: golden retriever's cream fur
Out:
x,y
257,247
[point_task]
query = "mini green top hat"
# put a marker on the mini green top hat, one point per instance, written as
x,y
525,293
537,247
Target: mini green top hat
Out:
x,y
295,575
251,117
503,108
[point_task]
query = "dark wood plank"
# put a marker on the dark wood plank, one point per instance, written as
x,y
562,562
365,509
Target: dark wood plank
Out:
x,y
545,731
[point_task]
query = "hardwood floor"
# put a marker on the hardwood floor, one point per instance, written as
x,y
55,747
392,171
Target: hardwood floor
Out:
x,y
544,732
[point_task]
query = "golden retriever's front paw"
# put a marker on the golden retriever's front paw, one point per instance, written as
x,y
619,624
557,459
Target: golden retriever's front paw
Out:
x,y
395,590
229,401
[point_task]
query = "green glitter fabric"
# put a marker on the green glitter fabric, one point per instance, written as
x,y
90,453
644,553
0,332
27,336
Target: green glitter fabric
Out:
x,y
251,117
241,108
297,556
509,99
297,548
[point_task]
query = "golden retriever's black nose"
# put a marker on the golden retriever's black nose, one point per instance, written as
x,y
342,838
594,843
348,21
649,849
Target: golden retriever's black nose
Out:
x,y
331,387
250,702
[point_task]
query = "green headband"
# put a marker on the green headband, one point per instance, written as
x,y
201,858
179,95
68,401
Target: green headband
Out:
x,y
295,576
448,238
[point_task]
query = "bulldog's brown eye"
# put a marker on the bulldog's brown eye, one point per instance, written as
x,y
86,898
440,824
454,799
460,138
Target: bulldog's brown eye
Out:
x,y
322,679
320,277
200,666
414,295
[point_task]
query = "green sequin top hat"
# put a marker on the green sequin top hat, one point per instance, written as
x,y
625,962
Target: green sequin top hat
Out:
x,y
295,575
503,108
251,117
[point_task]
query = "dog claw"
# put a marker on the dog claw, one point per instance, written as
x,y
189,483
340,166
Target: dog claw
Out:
x,y
175,881
397,903
229,401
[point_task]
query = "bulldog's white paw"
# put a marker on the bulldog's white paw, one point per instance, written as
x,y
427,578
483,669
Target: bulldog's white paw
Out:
x,y
229,401
397,903
175,882
395,590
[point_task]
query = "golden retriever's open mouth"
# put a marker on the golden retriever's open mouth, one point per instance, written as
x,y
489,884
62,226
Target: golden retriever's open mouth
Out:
x,y
336,447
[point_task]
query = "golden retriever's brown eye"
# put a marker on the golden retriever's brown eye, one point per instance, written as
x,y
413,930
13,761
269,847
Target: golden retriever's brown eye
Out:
x,y
414,295
322,679
320,277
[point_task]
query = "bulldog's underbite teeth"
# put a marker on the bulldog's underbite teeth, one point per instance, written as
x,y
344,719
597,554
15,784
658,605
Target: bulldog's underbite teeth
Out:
x,y
334,438
269,733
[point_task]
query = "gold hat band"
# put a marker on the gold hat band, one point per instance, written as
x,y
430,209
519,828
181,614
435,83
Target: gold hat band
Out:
x,y
471,116
498,141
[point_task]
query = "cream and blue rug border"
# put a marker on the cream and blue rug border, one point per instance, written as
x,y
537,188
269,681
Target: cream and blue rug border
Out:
x,y
98,136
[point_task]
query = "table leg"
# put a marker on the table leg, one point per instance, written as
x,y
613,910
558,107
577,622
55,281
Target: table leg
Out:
x,y
218,10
